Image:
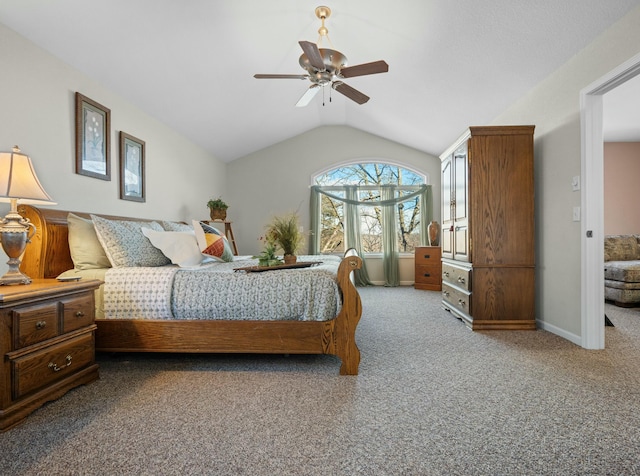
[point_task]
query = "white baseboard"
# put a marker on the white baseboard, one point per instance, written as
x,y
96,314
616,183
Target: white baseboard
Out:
x,y
576,339
402,283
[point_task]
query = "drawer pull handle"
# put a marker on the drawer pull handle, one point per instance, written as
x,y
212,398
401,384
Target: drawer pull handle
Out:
x,y
461,302
41,324
446,293
426,275
461,280
54,366
427,256
79,314
445,274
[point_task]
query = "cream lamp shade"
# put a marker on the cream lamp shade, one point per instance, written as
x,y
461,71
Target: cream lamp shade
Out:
x,y
18,182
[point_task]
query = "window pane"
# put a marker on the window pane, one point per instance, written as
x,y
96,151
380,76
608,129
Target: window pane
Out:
x,y
332,228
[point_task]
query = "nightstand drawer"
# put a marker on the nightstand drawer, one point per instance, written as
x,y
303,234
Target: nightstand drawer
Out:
x,y
35,324
427,255
427,274
41,368
77,312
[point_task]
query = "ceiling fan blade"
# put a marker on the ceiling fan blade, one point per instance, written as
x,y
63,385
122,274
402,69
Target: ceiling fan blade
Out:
x,y
364,69
281,76
313,54
351,93
308,95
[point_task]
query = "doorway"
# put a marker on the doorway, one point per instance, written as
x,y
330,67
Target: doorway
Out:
x,y
592,199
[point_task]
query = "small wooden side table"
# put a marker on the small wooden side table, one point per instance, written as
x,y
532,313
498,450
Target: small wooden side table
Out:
x,y
428,268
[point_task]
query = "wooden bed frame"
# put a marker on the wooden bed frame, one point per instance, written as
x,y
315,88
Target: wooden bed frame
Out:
x,y
48,255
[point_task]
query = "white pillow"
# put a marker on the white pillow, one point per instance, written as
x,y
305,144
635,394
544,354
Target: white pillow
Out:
x,y
181,247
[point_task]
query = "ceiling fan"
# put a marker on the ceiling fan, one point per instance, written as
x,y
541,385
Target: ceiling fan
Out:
x,y
328,67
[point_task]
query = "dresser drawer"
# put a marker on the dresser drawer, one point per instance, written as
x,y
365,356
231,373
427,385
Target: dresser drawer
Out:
x,y
35,324
77,312
460,277
457,298
41,368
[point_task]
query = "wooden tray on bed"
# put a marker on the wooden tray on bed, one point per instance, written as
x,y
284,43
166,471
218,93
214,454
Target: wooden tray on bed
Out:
x,y
260,269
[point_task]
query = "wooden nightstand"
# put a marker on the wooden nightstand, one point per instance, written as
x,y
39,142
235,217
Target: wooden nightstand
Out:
x,y
428,268
47,341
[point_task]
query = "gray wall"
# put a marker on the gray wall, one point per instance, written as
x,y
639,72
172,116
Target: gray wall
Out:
x,y
276,179
554,107
37,113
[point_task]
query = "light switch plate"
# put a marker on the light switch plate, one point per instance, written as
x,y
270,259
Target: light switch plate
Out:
x,y
575,183
576,213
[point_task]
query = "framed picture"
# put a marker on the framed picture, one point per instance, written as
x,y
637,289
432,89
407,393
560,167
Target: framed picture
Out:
x,y
132,153
93,131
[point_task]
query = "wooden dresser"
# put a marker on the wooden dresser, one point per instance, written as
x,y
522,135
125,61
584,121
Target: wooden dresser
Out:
x,y
47,342
428,273
488,260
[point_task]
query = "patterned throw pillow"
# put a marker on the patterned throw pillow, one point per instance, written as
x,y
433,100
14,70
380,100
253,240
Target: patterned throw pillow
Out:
x,y
621,248
176,226
125,245
212,242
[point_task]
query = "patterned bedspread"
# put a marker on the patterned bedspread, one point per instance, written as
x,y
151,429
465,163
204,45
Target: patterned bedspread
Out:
x,y
216,291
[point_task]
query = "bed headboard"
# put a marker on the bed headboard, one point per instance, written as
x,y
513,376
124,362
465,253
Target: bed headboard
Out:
x,y
47,255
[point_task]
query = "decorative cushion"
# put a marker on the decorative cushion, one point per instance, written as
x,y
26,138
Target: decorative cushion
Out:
x,y
181,247
621,248
628,271
622,296
176,226
212,242
610,283
86,250
125,245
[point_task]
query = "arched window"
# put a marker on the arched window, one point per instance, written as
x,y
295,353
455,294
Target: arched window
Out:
x,y
369,187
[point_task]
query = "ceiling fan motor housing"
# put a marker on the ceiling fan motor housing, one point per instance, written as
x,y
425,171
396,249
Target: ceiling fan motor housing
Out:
x,y
333,61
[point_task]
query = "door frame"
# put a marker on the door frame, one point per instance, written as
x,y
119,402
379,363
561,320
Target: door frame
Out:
x,y
592,199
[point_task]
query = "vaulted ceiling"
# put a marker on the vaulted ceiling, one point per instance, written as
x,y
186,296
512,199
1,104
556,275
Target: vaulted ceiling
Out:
x,y
452,63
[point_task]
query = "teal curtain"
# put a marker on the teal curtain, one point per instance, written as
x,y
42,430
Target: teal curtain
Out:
x,y
426,215
314,226
389,241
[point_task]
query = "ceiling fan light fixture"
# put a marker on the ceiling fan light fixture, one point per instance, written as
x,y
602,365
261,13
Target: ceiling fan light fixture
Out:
x,y
327,67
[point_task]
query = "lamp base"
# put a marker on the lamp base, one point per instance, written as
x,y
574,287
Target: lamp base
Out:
x,y
14,275
14,233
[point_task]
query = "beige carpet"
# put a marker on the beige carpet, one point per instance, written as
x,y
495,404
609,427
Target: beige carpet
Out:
x,y
432,398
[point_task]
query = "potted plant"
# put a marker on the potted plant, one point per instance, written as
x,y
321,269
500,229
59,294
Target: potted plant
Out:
x,y
217,209
285,232
268,256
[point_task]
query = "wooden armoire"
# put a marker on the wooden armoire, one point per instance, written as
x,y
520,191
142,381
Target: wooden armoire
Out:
x,y
488,248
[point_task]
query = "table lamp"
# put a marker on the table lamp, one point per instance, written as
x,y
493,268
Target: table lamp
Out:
x,y
18,181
